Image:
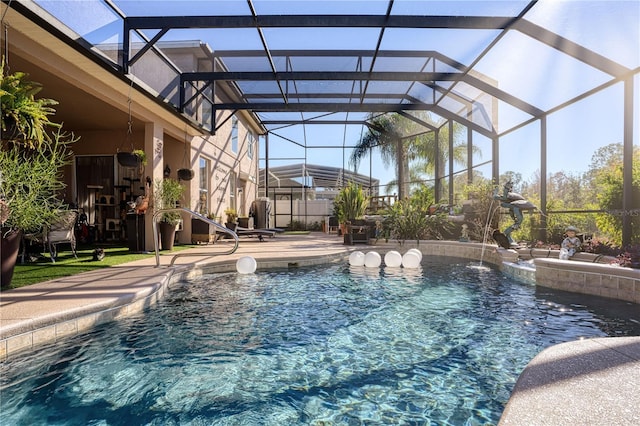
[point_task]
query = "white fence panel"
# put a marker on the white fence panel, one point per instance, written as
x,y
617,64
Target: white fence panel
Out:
x,y
311,211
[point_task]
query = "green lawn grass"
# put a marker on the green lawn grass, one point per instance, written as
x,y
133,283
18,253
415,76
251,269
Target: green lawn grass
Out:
x,y
67,265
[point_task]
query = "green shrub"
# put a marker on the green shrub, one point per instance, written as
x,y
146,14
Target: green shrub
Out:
x,y
407,221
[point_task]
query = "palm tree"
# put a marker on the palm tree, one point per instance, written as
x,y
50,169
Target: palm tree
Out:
x,y
386,133
402,140
414,178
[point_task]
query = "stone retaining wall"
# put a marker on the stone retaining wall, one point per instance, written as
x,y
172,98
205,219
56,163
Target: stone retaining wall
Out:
x,y
584,273
589,278
474,251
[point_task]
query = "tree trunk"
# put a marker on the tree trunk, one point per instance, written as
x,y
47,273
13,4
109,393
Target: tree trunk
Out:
x,y
400,160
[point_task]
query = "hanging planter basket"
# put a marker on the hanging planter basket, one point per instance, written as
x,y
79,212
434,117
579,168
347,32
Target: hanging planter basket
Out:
x,y
133,159
185,174
128,159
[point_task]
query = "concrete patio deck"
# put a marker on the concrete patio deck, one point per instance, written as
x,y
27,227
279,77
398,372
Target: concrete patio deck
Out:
x,y
585,382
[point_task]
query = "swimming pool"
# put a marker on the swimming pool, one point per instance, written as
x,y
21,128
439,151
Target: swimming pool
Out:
x,y
323,345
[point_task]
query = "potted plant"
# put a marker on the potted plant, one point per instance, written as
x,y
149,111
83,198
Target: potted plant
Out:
x,y
350,205
30,181
33,151
136,158
185,174
232,216
25,118
167,194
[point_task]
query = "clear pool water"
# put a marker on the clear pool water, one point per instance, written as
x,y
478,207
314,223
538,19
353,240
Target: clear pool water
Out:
x,y
329,345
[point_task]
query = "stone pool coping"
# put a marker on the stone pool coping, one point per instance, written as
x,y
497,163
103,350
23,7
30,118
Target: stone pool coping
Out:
x,y
49,312
589,278
586,382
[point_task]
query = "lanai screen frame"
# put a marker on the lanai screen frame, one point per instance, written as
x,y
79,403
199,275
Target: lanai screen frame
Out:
x,y
457,74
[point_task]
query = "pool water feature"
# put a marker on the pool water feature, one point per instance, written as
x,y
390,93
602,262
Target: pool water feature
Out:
x,y
311,346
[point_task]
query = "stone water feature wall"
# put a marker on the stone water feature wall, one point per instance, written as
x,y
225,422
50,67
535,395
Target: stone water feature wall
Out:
x,y
585,273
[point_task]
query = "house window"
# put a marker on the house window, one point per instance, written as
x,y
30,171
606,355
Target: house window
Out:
x,y
203,203
234,135
251,146
233,185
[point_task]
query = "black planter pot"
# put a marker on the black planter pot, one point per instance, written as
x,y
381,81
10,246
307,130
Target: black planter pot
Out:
x,y
9,251
199,226
167,235
11,132
185,174
127,159
135,232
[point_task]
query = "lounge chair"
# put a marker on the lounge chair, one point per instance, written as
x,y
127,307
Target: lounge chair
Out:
x,y
249,232
260,233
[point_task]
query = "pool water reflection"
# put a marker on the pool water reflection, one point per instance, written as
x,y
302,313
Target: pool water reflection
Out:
x,y
324,345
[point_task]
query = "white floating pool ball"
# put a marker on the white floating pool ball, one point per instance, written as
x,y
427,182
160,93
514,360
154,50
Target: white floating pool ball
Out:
x,y
410,260
356,258
416,251
372,259
393,259
246,265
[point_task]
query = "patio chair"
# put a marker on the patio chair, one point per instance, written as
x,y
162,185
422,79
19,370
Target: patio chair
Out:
x,y
62,231
334,225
